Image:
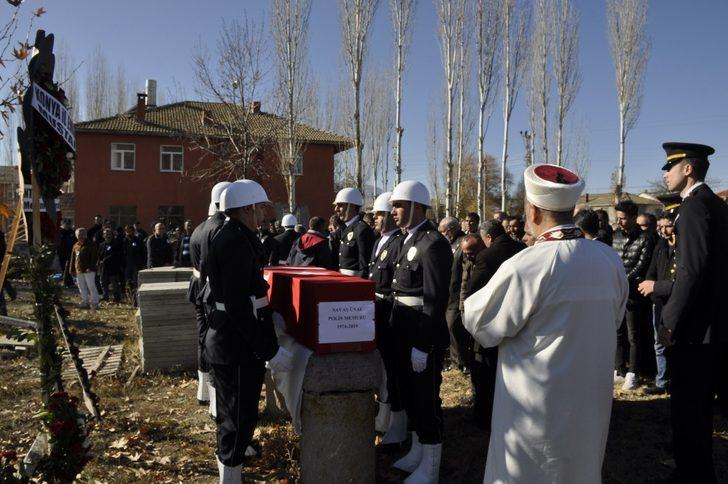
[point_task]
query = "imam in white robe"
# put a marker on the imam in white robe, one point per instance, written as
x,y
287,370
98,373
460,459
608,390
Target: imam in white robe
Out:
x,y
553,311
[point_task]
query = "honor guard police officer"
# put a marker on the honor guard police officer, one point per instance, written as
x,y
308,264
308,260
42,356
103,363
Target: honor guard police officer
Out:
x,y
420,287
240,335
287,238
694,328
199,247
356,237
391,418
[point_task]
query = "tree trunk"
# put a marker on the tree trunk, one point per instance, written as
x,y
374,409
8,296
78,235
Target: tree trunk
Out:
x,y
399,130
461,139
481,164
357,138
507,120
291,192
619,187
560,136
448,161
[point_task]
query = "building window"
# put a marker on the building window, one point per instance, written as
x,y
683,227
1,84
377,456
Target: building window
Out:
x,y
123,156
122,216
172,215
171,159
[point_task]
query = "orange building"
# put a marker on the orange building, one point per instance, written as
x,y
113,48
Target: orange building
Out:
x,y
142,165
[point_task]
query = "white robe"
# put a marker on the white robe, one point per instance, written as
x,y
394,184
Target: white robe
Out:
x,y
553,311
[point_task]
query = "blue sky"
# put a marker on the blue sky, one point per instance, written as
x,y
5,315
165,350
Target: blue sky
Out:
x,y
685,95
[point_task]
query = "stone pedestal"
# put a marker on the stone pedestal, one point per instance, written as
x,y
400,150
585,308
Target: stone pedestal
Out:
x,y
337,418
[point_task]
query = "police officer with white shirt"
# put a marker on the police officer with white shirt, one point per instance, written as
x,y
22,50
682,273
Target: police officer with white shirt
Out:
x,y
240,336
199,246
420,290
391,418
355,236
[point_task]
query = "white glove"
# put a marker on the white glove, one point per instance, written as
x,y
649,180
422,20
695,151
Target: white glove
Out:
x,y
282,361
419,360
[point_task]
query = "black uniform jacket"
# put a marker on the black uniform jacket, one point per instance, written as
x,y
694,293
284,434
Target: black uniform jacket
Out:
x,y
199,248
456,280
698,300
381,266
111,257
423,269
235,273
285,242
662,271
357,242
159,252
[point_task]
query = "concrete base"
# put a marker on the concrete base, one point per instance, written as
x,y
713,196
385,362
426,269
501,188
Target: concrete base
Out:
x,y
337,418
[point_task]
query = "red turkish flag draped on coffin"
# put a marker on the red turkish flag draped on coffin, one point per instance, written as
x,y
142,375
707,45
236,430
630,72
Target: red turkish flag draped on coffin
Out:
x,y
323,310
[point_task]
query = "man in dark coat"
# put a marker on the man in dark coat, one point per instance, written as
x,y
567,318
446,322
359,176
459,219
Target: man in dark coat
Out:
x,y
182,258
420,289
289,236
694,326
450,228
312,248
134,259
500,247
356,238
159,250
94,232
111,257
271,248
66,239
240,337
635,336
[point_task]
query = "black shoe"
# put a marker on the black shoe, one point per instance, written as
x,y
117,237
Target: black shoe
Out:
x,y
654,390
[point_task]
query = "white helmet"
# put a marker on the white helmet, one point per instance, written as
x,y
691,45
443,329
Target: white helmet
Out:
x,y
411,191
217,190
242,193
289,220
382,203
351,196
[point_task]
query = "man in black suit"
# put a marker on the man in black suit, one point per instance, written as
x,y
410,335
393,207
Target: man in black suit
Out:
x,y
694,325
356,238
499,248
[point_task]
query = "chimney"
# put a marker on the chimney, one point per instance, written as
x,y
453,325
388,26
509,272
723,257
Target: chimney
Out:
x,y
141,108
255,107
151,89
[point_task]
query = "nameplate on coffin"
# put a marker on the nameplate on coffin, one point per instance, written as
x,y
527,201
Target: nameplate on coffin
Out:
x,y
345,321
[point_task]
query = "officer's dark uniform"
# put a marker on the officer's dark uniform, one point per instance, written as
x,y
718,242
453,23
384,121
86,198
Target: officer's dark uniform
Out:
x,y
285,242
357,242
240,337
199,247
381,271
696,313
271,255
420,288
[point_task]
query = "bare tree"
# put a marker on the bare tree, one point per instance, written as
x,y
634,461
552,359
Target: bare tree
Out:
x,y
402,12
565,66
463,42
356,18
629,45
434,161
98,86
487,33
450,14
232,76
541,75
515,42
290,32
377,122
68,79
121,93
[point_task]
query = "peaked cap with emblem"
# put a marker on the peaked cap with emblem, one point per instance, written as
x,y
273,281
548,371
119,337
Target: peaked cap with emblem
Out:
x,y
552,187
677,152
671,201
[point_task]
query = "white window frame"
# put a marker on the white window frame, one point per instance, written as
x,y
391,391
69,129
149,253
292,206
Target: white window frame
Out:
x,y
114,150
171,168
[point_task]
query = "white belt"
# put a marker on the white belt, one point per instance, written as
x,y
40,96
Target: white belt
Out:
x,y
347,272
283,262
195,273
410,300
258,303
380,296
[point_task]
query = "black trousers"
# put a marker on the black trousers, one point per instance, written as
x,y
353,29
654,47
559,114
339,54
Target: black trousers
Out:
x,y
237,391
482,376
115,281
201,318
635,340
461,342
384,333
692,371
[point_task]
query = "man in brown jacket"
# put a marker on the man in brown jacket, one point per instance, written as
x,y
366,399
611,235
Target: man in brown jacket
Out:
x,y
83,261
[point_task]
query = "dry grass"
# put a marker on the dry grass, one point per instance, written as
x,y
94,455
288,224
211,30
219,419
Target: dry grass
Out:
x,y
154,431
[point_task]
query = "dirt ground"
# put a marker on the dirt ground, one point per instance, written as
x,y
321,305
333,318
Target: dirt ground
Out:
x,y
154,431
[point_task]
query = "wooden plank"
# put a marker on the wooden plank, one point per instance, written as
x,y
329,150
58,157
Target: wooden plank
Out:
x,y
99,361
18,323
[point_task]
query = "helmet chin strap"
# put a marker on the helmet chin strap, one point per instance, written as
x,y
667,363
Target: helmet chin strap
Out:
x,y
411,213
